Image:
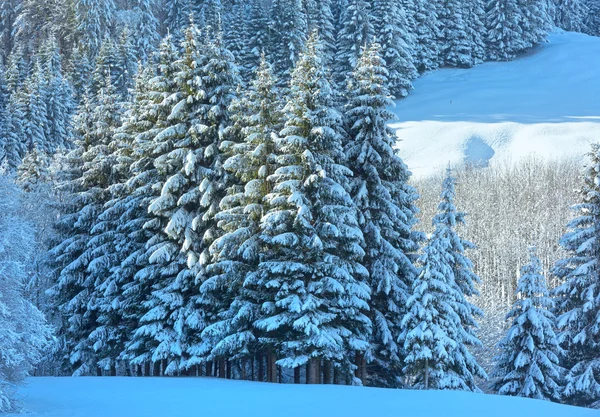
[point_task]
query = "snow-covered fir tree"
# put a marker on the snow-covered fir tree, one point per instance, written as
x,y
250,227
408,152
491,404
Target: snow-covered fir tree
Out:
x,y
355,32
505,34
457,45
427,35
93,19
528,365
288,35
257,117
145,28
310,281
391,31
380,190
578,301
571,15
440,326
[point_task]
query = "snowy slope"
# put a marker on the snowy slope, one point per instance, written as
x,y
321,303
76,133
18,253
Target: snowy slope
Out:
x,y
207,397
547,103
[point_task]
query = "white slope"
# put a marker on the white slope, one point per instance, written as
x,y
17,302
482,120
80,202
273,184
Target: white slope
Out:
x,y
546,103
208,397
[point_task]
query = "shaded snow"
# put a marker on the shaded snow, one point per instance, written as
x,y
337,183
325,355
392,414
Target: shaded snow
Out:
x,y
179,397
545,103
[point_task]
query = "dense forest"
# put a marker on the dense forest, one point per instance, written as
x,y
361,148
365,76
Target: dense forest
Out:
x,y
207,188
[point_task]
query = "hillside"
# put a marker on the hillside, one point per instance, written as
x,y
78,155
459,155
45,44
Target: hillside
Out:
x,y
546,103
182,397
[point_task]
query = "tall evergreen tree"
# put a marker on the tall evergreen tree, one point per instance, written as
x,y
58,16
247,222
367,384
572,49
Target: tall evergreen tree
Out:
x,y
427,34
505,34
311,282
356,32
94,19
288,35
391,31
578,300
528,365
571,15
381,192
457,45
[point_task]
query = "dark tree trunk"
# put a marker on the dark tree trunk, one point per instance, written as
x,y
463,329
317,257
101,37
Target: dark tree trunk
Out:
x,y
209,370
146,368
113,370
312,376
156,369
221,368
228,364
326,372
272,367
261,368
98,371
297,375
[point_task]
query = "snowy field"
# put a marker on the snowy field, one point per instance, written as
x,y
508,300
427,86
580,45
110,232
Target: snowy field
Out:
x,y
546,103
207,397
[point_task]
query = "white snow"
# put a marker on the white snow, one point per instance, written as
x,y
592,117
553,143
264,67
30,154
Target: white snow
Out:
x,y
546,103
208,397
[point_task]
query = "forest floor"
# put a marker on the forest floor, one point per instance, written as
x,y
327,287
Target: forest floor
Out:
x,y
209,397
544,103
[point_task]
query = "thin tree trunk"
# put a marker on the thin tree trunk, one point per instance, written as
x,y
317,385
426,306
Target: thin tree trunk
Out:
x,y
252,369
98,371
313,369
272,367
326,372
426,373
156,370
297,375
228,364
261,368
146,368
221,368
209,366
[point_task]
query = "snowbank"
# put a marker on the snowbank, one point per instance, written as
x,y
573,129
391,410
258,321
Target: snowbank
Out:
x,y
207,397
546,103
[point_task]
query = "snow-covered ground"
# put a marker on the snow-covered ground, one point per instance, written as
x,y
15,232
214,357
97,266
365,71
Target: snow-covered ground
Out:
x,y
207,397
546,103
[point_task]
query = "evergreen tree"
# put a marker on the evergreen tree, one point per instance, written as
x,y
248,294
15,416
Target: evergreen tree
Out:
x,y
319,17
432,327
505,35
93,19
177,17
258,35
355,33
528,365
145,28
457,45
288,35
475,18
427,34
534,21
391,31
578,303
257,117
592,21
381,193
571,15
310,281
36,116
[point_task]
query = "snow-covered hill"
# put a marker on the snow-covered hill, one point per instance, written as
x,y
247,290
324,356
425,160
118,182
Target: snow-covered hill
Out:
x,y
208,397
546,103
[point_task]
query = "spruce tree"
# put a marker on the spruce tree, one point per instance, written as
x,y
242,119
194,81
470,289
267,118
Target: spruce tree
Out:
x,y
356,32
391,31
571,15
36,116
528,365
457,45
288,35
427,35
257,116
448,274
578,303
145,29
310,281
93,19
505,35
382,194
319,17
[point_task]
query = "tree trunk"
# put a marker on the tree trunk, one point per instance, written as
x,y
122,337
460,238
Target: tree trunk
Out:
x,y
426,373
272,367
243,366
221,368
336,376
252,377
98,371
113,370
297,375
228,364
156,370
163,367
146,368
261,368
326,372
209,366
313,371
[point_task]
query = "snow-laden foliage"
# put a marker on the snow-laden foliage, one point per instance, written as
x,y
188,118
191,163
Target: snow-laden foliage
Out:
x,y
439,328
24,333
528,365
578,297
385,201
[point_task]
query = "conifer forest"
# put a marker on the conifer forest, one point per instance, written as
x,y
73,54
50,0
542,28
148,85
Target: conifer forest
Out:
x,y
212,188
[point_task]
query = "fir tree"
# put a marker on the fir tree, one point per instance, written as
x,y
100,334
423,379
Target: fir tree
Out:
x,y
505,35
257,116
456,47
93,18
528,365
571,15
578,303
289,32
258,35
438,333
355,33
391,31
381,192
145,30
427,34
310,281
